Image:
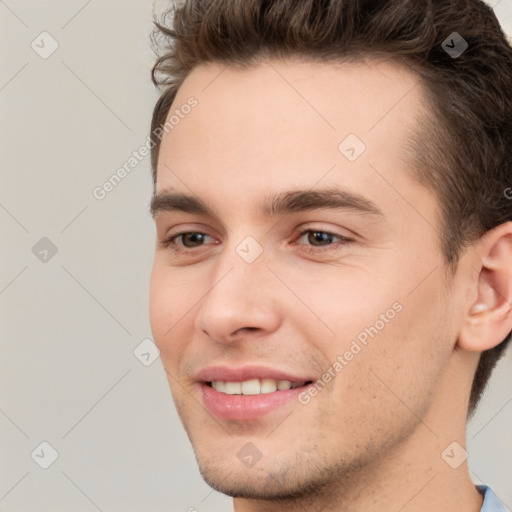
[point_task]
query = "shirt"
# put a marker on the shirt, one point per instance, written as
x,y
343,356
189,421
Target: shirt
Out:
x,y
491,502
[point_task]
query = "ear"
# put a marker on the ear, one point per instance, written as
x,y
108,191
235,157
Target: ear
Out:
x,y
488,320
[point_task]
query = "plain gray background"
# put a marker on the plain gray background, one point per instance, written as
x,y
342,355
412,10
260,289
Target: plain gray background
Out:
x,y
70,323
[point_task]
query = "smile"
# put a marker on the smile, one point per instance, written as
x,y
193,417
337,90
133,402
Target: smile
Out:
x,y
254,386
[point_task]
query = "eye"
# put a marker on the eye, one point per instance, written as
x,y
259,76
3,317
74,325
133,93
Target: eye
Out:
x,y
187,240
316,240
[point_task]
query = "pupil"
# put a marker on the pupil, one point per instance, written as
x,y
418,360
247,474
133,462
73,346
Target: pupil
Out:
x,y
192,239
317,237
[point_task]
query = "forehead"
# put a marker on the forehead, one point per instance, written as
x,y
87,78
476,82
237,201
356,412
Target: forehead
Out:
x,y
284,123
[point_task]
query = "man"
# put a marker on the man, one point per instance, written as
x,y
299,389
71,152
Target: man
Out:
x,y
332,282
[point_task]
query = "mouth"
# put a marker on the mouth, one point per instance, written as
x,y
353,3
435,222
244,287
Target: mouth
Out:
x,y
233,404
253,387
250,392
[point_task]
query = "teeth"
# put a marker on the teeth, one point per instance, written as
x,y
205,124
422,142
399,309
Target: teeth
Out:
x,y
268,386
283,385
219,386
254,386
251,387
233,388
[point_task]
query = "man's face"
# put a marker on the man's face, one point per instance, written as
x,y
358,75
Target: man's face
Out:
x,y
285,292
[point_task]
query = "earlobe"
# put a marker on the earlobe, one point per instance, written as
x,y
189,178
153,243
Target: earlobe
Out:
x,y
489,318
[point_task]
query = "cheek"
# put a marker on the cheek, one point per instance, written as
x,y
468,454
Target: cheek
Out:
x,y
389,383
170,304
159,304
404,364
381,330
340,304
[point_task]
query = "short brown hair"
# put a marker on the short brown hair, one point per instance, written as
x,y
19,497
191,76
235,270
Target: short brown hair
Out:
x,y
462,149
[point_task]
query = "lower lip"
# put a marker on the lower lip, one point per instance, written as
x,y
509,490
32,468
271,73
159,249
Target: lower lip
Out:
x,y
246,407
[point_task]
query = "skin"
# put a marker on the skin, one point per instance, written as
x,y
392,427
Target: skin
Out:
x,y
373,438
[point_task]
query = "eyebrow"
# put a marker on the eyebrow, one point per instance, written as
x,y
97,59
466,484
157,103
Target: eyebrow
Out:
x,y
284,203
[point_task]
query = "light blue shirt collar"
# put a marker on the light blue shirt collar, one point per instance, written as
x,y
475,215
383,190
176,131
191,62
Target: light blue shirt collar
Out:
x,y
491,502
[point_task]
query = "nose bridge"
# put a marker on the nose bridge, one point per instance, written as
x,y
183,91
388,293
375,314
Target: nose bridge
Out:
x,y
240,294
239,267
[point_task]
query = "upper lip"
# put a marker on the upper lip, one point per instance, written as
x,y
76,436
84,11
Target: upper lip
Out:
x,y
243,373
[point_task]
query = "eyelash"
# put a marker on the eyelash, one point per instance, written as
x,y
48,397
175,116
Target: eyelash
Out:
x,y
170,243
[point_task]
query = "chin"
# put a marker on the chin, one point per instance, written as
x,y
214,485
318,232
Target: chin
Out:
x,y
279,480
251,484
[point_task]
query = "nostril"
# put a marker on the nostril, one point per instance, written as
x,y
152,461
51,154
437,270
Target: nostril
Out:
x,y
245,329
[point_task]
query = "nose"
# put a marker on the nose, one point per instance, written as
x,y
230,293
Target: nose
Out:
x,y
241,301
